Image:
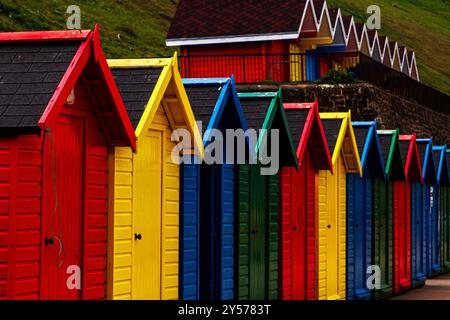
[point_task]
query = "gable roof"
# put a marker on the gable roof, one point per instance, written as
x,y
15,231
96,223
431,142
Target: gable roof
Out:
x,y
264,111
441,164
413,70
411,158
425,149
341,140
307,130
38,71
390,148
209,99
369,147
230,21
145,84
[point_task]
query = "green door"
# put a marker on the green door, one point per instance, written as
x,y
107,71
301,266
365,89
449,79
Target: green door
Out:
x,y
383,235
257,257
258,235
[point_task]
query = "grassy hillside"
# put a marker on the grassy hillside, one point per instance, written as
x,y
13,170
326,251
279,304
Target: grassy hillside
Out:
x,y
129,28
422,25
137,28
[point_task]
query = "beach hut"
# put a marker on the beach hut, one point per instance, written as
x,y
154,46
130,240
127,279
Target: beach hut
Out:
x,y
360,209
383,248
298,202
439,207
207,196
257,199
402,213
332,205
143,259
421,214
445,226
253,43
61,111
332,55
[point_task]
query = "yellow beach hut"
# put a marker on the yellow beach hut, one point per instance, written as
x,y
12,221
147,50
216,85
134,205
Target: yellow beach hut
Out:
x,y
332,205
144,213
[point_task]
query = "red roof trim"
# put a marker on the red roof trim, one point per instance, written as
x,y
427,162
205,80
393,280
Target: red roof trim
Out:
x,y
67,83
44,35
115,94
312,116
73,73
412,152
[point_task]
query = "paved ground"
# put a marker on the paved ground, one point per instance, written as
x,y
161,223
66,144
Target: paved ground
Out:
x,y
435,289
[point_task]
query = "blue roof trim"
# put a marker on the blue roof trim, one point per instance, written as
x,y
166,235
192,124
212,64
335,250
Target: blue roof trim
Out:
x,y
228,91
428,157
442,163
205,81
371,135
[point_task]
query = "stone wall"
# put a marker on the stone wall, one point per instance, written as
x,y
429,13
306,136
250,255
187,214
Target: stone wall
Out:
x,y
368,102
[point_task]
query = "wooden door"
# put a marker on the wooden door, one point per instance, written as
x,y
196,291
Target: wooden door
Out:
x,y
303,231
258,235
333,233
62,224
147,218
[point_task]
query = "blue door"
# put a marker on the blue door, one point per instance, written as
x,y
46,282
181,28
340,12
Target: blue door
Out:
x,y
435,203
216,232
359,235
189,232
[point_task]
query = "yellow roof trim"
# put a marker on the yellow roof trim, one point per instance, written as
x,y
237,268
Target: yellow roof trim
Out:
x,y
346,125
139,63
169,72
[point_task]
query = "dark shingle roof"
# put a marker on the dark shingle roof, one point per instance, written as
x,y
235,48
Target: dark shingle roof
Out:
x,y
437,158
203,100
29,75
136,86
361,133
347,20
422,147
206,18
255,110
297,120
332,127
333,16
318,5
404,148
385,143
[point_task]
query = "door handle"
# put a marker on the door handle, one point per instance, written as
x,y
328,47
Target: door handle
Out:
x,y
295,228
329,226
49,241
253,231
137,236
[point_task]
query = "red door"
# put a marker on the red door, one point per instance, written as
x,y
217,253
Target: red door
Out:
x,y
402,245
62,222
303,237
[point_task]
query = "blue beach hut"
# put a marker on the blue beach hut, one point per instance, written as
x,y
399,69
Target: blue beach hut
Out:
x,y
207,197
360,206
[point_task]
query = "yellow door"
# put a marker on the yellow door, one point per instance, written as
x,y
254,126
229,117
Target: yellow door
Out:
x,y
332,233
342,231
297,65
147,217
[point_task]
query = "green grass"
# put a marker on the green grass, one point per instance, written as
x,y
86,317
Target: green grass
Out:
x,y
137,28
421,25
129,28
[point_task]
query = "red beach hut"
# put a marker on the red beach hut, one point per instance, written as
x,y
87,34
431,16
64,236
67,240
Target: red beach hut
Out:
x,y
298,201
60,111
402,213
